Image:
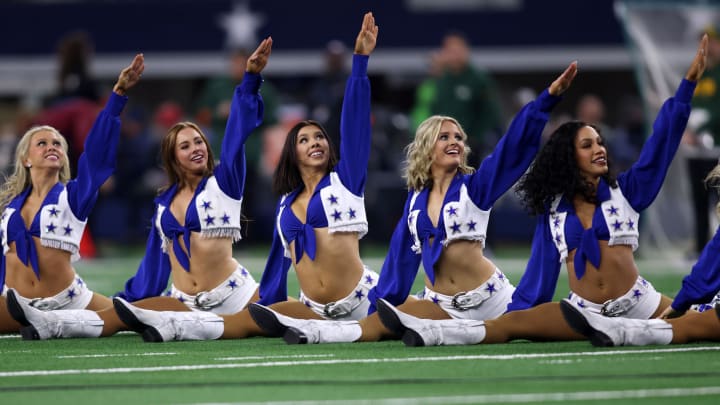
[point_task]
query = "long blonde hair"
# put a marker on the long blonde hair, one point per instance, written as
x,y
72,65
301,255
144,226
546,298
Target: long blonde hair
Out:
x,y
419,152
20,179
713,180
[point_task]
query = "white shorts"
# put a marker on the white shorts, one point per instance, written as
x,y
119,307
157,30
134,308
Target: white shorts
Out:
x,y
75,296
351,308
230,297
487,301
640,302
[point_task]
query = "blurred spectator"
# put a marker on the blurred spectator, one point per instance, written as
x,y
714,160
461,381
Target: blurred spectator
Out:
x,y
74,80
468,95
326,93
426,91
706,120
214,106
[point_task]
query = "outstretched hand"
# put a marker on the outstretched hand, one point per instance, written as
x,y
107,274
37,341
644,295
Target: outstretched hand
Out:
x,y
366,39
257,61
563,81
130,76
670,313
697,67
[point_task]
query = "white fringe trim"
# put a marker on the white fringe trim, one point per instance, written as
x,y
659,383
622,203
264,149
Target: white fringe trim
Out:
x,y
480,239
62,245
361,229
233,233
627,240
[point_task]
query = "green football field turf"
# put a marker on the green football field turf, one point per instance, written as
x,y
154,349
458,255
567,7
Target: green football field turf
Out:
x,y
124,370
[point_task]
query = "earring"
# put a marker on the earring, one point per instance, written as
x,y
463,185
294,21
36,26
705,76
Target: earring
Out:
x,y
29,165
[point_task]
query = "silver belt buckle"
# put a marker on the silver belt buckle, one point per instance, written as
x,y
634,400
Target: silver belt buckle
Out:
x,y
463,301
337,310
613,308
43,304
204,300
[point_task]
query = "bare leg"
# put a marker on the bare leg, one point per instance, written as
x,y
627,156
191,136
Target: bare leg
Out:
x,y
7,323
99,302
695,326
544,322
664,303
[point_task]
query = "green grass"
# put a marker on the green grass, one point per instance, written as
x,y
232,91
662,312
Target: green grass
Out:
x,y
124,370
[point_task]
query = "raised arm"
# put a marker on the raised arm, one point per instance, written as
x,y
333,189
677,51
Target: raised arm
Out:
x,y
642,182
97,162
355,117
517,148
246,114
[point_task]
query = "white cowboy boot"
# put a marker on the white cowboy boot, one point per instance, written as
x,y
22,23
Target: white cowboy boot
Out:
x,y
300,331
605,331
317,331
428,332
63,323
164,326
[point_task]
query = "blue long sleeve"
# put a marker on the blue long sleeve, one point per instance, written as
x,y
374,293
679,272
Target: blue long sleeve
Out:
x,y
642,182
355,128
514,152
152,276
703,282
400,267
246,114
97,162
539,281
273,284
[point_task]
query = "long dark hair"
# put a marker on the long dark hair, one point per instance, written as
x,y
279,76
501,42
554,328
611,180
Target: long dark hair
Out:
x,y
555,171
287,174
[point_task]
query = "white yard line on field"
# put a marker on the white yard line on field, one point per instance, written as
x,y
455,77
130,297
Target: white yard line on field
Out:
x,y
303,363
82,356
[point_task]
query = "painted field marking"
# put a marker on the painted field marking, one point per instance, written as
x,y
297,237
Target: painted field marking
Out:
x,y
348,361
289,356
83,356
509,398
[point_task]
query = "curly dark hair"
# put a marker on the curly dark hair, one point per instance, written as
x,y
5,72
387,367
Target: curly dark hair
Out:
x,y
555,171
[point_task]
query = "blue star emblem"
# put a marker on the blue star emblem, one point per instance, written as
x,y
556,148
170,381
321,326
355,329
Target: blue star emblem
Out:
x,y
209,220
613,210
54,212
225,218
181,299
581,304
232,284
452,211
307,303
351,213
68,230
71,294
617,225
359,294
644,282
79,281
333,199
435,299
207,205
51,228
244,272
630,224
558,238
500,276
455,227
471,225
491,288
637,294
556,222
369,279
337,215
